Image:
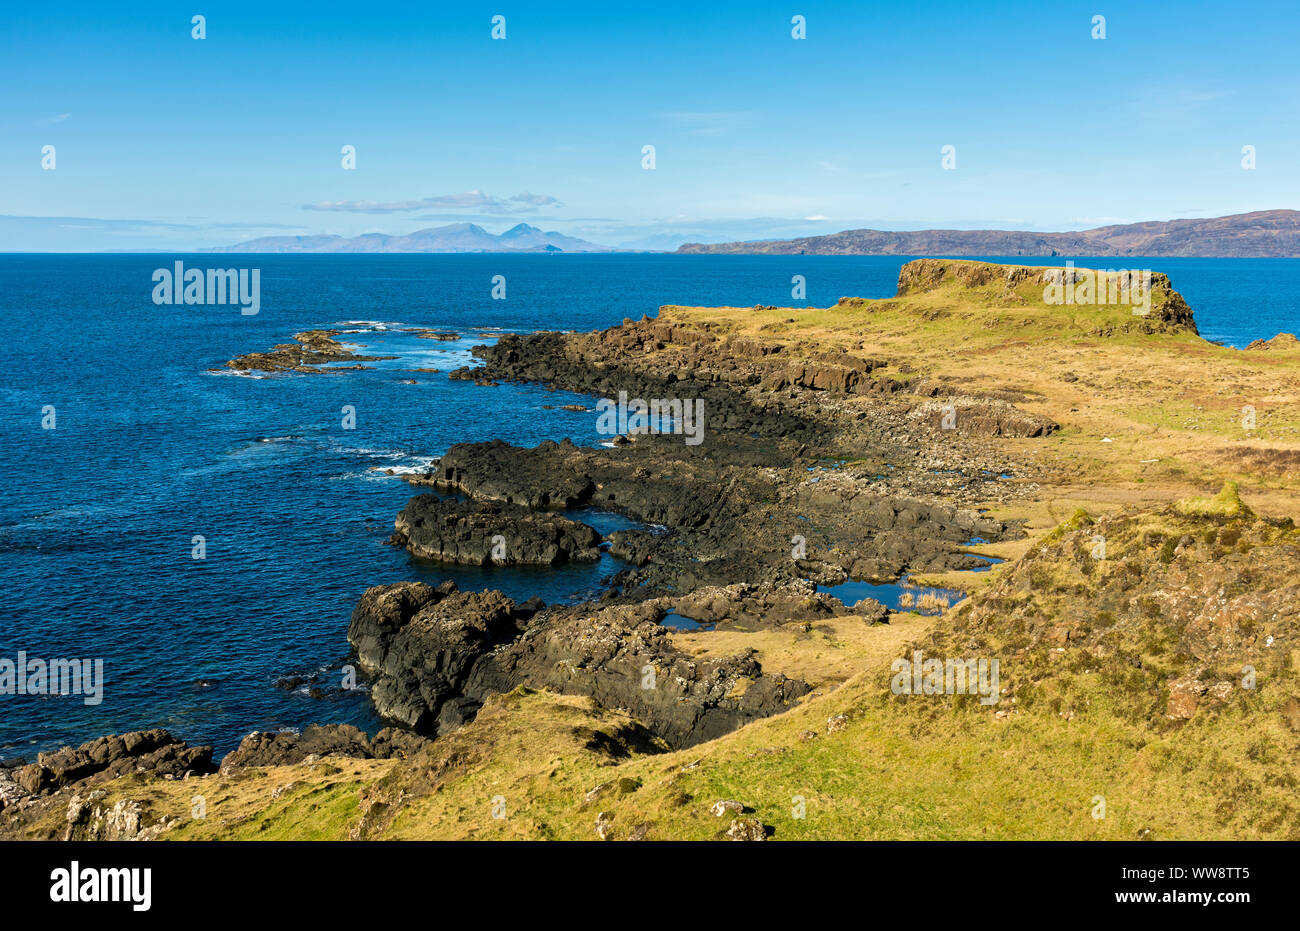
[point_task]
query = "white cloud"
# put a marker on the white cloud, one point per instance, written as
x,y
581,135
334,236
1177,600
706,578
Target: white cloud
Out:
x,y
717,123
469,200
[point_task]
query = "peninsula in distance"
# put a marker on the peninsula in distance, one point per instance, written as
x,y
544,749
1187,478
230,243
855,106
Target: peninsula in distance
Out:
x,y
1262,234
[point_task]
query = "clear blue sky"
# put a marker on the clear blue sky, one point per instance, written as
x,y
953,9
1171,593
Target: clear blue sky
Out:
x,y
164,141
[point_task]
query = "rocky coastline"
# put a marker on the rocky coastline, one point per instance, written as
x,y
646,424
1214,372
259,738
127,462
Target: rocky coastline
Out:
x,y
819,465
747,532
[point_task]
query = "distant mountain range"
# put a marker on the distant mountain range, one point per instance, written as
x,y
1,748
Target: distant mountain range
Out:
x,y
456,237
1263,234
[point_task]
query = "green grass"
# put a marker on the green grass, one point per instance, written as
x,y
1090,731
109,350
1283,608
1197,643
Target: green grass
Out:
x,y
1226,504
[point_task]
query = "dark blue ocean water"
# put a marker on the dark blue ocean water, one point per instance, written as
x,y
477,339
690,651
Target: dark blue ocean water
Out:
x,y
150,449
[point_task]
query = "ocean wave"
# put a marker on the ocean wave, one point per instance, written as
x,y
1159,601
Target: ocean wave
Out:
x,y
237,373
388,462
417,466
368,325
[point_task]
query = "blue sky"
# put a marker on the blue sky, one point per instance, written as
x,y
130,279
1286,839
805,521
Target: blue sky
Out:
x,y
164,141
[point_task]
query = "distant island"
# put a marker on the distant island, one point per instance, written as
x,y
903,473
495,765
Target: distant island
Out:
x,y
455,237
1263,234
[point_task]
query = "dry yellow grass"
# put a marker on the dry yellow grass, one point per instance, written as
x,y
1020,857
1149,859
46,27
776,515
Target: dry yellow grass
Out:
x,y
833,651
1171,405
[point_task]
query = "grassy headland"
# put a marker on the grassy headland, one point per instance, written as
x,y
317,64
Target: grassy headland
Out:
x,y
1149,689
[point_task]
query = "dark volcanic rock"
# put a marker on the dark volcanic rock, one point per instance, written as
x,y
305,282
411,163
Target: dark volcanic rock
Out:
x,y
488,534
436,654
313,350
749,606
724,518
154,751
497,471
265,748
611,361
262,748
637,480
634,546
420,643
622,659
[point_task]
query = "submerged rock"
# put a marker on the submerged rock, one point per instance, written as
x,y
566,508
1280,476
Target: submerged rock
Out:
x,y
313,350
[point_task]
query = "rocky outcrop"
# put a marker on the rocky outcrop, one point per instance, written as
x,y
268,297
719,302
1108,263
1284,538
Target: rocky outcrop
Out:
x,y
1283,342
637,483
637,547
263,748
420,644
440,335
11,792
534,478
621,658
749,606
436,654
981,417
91,818
479,534
1167,312
154,751
652,359
313,350
714,534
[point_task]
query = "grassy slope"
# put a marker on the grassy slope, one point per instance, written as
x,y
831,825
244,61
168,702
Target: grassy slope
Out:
x,y
921,768
1170,397
900,769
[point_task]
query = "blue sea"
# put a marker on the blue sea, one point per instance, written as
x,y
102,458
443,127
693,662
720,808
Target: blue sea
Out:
x,y
151,449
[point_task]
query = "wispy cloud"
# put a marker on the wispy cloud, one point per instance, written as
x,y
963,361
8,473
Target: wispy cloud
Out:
x,y
536,200
50,120
1176,106
469,200
702,123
